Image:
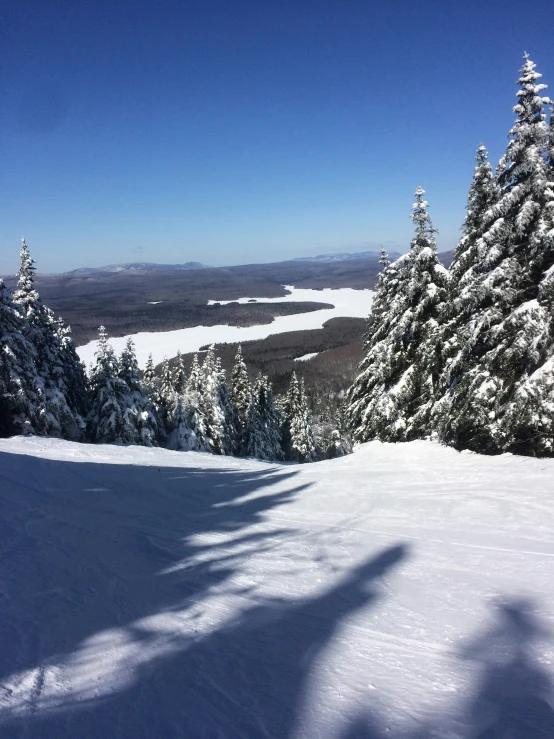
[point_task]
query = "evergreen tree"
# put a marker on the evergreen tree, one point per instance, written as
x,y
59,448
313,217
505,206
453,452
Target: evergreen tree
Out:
x,y
460,306
194,408
22,408
215,407
392,396
182,437
502,400
179,375
166,395
339,446
142,425
58,365
297,434
241,396
263,432
108,397
149,375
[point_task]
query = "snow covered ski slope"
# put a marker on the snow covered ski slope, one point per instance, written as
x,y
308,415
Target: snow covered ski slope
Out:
x,y
402,592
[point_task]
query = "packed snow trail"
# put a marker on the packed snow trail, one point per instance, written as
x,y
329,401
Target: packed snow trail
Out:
x,y
404,591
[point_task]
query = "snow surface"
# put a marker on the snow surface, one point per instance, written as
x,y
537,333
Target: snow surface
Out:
x,y
306,357
347,303
402,592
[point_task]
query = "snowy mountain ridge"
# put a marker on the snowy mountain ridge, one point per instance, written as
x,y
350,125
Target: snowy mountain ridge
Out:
x,y
136,266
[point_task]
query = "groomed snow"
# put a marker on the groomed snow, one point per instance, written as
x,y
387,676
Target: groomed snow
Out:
x,y
404,592
346,301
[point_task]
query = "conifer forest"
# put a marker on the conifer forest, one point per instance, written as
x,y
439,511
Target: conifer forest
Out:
x,y
464,355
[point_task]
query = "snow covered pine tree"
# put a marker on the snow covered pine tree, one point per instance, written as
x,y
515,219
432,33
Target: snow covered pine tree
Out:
x,y
241,397
263,433
448,414
392,396
503,401
296,430
57,363
22,408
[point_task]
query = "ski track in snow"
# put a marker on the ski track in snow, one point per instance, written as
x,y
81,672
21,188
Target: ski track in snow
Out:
x,y
404,591
347,302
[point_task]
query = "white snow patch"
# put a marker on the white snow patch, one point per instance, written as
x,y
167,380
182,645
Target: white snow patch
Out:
x,y
403,591
155,302
347,303
306,357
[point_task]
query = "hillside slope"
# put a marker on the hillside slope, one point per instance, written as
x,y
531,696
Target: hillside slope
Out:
x,y
405,591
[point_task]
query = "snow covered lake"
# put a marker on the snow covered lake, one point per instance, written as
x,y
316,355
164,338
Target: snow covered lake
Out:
x,y
347,303
403,592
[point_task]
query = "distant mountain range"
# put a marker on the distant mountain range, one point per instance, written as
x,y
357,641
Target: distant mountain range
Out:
x,y
346,257
134,266
445,257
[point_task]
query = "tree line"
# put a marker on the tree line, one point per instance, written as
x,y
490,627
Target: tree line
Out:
x,y
466,355
45,390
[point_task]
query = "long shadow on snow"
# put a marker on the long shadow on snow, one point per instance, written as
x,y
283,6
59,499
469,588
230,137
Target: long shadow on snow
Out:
x,y
246,679
513,695
82,545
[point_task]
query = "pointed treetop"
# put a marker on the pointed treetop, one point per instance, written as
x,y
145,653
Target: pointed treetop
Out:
x,y
384,258
530,102
422,222
25,293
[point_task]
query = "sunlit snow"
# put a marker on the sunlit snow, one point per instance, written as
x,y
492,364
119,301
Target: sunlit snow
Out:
x,y
346,301
403,592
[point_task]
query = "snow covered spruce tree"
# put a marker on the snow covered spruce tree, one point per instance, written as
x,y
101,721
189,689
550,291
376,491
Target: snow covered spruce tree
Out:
x,y
392,396
297,435
193,407
241,397
216,408
108,397
58,365
263,432
139,414
166,395
179,375
462,297
22,409
503,401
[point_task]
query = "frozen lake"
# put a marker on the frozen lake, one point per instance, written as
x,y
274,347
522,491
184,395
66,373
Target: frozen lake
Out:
x,y
347,303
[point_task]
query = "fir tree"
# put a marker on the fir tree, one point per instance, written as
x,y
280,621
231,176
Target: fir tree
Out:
x,y
22,409
108,397
297,434
263,432
179,375
182,437
140,419
215,407
460,306
166,395
392,396
241,396
194,408
496,403
57,362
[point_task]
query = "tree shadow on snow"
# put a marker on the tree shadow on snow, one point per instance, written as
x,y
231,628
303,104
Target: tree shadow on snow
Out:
x,y
513,697
96,594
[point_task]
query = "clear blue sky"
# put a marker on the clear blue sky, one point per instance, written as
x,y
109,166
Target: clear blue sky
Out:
x,y
234,131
